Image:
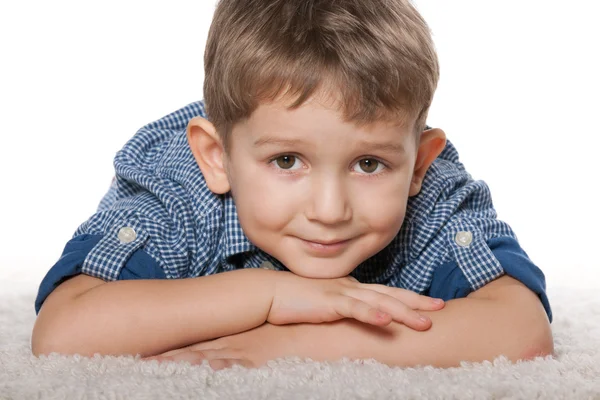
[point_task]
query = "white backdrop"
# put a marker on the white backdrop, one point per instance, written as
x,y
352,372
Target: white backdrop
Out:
x,y
517,96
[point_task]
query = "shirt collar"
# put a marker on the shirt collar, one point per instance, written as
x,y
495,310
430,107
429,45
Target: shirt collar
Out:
x,y
235,240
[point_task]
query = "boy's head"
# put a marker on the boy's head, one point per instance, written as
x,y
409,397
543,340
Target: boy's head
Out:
x,y
317,110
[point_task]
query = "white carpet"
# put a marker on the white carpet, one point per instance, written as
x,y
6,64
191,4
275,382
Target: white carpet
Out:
x,y
573,374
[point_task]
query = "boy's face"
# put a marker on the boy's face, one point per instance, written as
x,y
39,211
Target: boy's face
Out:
x,y
318,194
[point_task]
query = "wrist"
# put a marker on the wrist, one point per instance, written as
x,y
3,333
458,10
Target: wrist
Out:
x,y
257,287
278,283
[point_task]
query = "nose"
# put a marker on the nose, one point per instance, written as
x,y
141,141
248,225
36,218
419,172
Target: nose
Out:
x,y
329,201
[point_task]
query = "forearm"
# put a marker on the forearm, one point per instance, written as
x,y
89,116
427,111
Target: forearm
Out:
x,y
464,330
151,316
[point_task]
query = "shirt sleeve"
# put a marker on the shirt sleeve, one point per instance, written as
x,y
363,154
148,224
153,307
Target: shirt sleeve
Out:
x,y
150,224
450,282
139,265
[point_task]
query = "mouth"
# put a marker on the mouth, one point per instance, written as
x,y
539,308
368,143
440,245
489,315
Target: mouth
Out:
x,y
326,242
326,248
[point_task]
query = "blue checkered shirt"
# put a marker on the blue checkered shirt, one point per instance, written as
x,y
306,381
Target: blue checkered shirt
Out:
x,y
450,243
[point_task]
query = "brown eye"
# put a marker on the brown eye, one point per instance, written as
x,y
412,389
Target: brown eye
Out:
x,y
285,162
368,165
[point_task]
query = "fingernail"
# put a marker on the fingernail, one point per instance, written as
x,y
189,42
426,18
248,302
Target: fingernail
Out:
x,y
423,318
438,301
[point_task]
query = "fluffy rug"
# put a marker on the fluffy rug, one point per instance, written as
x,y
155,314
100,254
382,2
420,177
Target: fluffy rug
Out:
x,y
574,372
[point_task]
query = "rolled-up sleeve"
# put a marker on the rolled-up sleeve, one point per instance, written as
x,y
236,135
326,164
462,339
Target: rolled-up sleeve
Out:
x,y
132,261
451,280
148,224
108,257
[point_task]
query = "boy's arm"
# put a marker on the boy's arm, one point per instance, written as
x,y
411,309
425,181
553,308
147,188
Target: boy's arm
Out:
x,y
502,318
86,315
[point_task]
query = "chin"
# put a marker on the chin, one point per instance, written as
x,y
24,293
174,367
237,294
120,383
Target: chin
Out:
x,y
320,275
320,272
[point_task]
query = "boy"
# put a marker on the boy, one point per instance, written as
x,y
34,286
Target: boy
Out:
x,y
308,206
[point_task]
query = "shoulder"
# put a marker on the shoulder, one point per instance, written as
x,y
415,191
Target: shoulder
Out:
x,y
451,208
452,218
445,186
158,218
455,244
159,193
158,144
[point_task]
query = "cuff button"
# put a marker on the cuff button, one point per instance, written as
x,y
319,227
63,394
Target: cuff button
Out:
x,y
126,235
463,238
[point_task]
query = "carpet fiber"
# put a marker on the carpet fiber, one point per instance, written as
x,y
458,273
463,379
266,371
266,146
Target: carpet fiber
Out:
x,y
574,372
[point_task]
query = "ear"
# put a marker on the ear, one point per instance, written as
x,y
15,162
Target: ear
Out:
x,y
209,153
432,144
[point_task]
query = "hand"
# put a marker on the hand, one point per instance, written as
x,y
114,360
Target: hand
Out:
x,y
250,349
298,299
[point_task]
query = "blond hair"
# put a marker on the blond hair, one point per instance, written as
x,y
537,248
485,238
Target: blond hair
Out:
x,y
376,57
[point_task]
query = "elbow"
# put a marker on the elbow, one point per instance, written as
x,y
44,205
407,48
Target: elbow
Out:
x,y
529,334
43,343
45,340
40,349
539,339
52,334
541,345
525,345
39,336
36,347
534,339
40,345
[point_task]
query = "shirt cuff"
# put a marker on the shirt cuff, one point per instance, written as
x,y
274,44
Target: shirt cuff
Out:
x,y
139,266
449,281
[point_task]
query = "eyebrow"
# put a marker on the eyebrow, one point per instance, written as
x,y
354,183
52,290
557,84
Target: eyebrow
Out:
x,y
273,141
387,147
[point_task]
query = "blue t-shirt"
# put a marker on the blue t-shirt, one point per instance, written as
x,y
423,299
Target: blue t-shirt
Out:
x,y
159,220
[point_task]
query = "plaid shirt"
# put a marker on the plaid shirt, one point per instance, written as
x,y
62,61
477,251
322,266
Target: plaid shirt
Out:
x,y
160,220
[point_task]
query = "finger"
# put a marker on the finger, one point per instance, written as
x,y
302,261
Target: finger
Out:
x,y
398,311
350,307
223,363
158,358
208,345
198,356
161,359
411,299
192,357
173,352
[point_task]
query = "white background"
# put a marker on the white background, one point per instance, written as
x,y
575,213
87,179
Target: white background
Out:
x,y
518,96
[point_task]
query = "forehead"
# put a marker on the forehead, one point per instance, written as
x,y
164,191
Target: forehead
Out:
x,y
318,113
317,126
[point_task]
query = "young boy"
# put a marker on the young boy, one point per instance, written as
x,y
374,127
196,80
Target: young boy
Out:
x,y
304,209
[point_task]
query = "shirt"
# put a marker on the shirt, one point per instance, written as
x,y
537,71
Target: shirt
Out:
x,y
159,220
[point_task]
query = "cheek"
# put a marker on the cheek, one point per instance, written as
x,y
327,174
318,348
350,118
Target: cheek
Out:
x,y
383,207
263,202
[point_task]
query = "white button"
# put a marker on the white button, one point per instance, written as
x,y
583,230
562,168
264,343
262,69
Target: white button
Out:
x,y
463,239
126,235
267,265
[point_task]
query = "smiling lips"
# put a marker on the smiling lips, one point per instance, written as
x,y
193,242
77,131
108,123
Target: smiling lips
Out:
x,y
326,243
331,248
